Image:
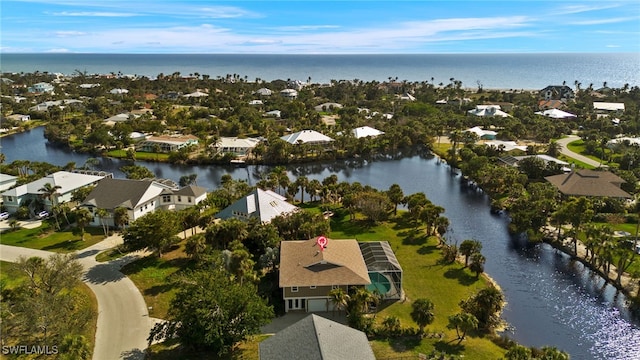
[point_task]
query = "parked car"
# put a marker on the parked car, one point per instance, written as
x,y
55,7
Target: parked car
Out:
x,y
4,216
42,215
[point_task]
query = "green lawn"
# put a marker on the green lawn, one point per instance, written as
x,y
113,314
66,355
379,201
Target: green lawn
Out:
x,y
45,238
423,277
579,148
140,155
152,275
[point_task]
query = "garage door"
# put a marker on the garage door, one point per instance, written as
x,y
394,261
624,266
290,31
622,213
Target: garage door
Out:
x,y
317,305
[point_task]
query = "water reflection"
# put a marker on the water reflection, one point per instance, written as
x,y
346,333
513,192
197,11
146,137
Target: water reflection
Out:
x,y
552,300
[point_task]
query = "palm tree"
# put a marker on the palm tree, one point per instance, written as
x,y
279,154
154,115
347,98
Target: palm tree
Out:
x,y
120,216
554,149
302,183
104,214
83,218
477,263
468,248
463,323
422,313
50,193
340,298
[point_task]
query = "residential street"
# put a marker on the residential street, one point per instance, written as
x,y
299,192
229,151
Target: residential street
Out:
x,y
123,317
565,151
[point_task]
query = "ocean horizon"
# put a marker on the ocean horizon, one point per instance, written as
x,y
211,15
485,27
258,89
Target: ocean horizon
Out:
x,y
489,70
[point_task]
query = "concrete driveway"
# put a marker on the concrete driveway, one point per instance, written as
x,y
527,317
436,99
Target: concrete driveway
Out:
x,y
565,151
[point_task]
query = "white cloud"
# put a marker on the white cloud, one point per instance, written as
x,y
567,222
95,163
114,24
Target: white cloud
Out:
x,y
306,27
63,33
612,46
576,9
92,14
58,50
605,21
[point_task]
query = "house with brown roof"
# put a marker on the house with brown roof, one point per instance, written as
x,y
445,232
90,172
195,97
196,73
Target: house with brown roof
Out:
x,y
308,272
589,183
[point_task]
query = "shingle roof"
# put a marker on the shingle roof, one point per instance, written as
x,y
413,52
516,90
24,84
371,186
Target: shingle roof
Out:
x,y
340,263
317,338
191,190
261,204
112,193
589,183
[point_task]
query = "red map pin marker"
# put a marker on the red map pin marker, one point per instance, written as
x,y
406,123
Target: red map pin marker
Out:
x,y
322,242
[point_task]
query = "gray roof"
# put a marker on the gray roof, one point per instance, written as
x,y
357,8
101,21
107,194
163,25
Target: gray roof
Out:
x,y
261,204
307,136
113,193
315,337
68,182
191,190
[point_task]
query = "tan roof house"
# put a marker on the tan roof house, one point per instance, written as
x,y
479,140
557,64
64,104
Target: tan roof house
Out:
x,y
308,273
589,183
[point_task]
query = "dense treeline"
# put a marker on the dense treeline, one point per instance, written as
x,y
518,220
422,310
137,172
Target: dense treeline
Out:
x,y
227,112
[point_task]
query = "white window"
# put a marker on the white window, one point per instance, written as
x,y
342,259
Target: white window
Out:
x,y
294,289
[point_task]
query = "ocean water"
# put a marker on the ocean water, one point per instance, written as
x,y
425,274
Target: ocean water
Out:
x,y
492,71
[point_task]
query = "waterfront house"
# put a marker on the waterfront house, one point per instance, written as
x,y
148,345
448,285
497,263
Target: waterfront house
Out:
x,y
310,137
366,131
45,106
7,181
316,338
556,92
67,181
166,143
235,146
263,205
308,273
139,197
589,183
514,160
19,117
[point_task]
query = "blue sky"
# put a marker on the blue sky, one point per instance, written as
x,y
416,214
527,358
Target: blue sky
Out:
x,y
309,27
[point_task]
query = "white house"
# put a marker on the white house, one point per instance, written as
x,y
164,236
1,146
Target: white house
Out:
x,y
328,106
41,87
7,181
139,197
166,143
487,111
263,92
366,131
235,146
555,114
289,93
263,205
311,137
482,134
67,181
119,91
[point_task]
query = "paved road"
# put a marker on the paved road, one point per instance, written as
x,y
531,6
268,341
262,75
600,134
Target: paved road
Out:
x,y
123,318
565,151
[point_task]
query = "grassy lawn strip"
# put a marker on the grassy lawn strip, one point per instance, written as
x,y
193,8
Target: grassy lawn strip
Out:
x,y
152,275
578,147
140,155
423,277
45,238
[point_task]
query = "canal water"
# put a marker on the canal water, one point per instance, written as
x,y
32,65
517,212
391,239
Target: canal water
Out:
x,y
552,301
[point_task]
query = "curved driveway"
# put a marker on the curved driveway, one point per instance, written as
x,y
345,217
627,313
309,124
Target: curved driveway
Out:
x,y
123,318
564,150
